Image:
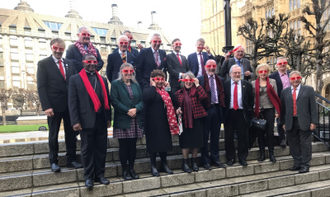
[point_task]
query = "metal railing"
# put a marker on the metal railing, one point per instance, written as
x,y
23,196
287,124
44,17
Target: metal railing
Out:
x,y
322,131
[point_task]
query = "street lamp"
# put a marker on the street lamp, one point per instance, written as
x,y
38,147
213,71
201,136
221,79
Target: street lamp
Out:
x,y
227,9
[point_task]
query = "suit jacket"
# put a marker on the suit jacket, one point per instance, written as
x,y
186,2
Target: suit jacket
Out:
x,y
226,65
306,108
81,106
247,97
73,54
52,87
193,61
122,102
134,51
278,80
195,101
174,68
146,63
114,63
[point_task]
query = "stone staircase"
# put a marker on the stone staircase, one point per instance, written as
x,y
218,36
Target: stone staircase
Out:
x,y
25,171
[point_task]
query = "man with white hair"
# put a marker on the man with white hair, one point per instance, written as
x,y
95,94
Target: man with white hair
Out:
x,y
238,59
149,59
133,51
81,47
117,58
238,114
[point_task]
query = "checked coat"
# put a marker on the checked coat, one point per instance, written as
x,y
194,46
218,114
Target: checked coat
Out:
x,y
196,101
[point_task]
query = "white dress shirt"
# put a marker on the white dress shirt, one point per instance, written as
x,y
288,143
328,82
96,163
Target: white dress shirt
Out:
x,y
239,94
297,90
58,65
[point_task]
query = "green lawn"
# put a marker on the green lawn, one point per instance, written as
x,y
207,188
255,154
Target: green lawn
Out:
x,y
20,128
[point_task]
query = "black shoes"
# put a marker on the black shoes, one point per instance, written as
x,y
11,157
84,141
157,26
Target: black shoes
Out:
x,y
102,180
55,168
262,156
295,168
207,166
89,184
126,175
165,168
185,166
272,157
194,165
75,165
243,163
133,174
283,143
218,164
154,171
231,162
304,169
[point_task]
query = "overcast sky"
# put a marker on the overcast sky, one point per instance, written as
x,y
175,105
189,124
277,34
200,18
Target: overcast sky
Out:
x,y
177,18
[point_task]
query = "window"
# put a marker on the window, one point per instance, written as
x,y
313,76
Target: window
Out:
x,y
14,56
1,55
27,31
42,44
104,49
17,84
15,68
42,56
99,31
13,41
12,29
28,42
41,32
290,5
102,39
113,40
29,57
67,35
53,25
30,68
55,34
133,43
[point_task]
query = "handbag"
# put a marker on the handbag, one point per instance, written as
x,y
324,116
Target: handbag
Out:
x,y
259,123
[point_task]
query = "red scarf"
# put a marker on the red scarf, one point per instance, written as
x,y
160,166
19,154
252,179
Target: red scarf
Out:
x,y
171,118
221,93
90,48
271,95
187,110
91,91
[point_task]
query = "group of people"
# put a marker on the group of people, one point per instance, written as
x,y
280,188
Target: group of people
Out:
x,y
197,97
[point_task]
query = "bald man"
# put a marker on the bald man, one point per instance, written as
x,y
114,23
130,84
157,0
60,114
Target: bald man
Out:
x,y
213,86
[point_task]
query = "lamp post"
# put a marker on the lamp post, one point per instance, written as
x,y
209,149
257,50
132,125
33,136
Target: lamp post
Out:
x,y
227,9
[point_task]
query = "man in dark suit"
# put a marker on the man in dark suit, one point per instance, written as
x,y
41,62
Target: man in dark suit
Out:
x,y
177,65
198,59
133,51
81,47
243,63
117,58
150,59
53,75
90,114
213,86
237,115
299,117
282,81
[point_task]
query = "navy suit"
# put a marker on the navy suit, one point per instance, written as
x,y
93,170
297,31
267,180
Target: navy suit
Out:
x,y
193,61
133,52
114,63
73,54
146,63
279,86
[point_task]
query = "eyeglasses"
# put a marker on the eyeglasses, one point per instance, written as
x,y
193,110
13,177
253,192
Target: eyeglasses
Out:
x,y
128,71
155,41
187,80
211,66
236,73
282,63
85,34
131,38
295,78
177,44
158,79
200,47
239,51
58,48
123,43
263,71
90,61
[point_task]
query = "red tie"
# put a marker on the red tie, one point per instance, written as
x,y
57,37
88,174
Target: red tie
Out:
x,y
294,97
202,63
179,58
61,68
235,97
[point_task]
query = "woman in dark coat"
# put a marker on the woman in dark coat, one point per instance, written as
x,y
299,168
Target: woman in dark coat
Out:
x,y
190,99
126,98
160,119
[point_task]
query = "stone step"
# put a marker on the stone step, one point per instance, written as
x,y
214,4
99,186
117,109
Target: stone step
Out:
x,y
40,161
44,177
231,181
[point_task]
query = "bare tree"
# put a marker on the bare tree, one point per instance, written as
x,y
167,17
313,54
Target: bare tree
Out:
x,y
5,95
19,97
33,98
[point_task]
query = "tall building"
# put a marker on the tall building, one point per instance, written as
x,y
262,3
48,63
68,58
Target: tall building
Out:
x,y
25,37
